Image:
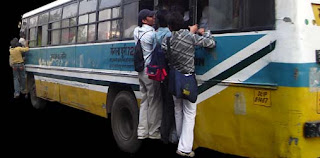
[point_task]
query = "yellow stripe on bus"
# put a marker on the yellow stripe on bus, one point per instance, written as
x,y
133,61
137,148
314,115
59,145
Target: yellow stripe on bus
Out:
x,y
80,98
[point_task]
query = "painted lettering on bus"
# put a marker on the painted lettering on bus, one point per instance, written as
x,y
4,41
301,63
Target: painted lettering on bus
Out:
x,y
262,97
123,51
58,56
122,57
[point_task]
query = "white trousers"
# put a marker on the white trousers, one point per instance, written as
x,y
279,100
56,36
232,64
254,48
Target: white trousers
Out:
x,y
150,107
185,113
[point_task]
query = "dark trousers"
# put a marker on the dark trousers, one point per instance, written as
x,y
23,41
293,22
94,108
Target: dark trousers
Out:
x,y
19,78
168,120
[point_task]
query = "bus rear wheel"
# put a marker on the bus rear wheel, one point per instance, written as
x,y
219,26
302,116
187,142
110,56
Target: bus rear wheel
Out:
x,y
124,122
36,102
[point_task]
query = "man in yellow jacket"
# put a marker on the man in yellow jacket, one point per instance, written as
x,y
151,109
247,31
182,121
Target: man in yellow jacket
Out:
x,y
18,69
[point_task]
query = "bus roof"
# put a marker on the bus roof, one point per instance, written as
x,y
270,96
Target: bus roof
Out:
x,y
45,7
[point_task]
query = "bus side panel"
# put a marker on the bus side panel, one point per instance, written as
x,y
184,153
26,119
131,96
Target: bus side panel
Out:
x,y
54,82
84,99
61,57
36,57
271,120
106,56
47,90
274,131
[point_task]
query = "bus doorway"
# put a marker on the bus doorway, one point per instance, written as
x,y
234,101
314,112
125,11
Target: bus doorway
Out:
x,y
185,7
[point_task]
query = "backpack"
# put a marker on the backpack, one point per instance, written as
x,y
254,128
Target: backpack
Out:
x,y
156,69
138,55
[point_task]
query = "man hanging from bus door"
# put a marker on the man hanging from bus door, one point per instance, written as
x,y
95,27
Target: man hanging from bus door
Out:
x,y
151,101
18,69
168,127
181,58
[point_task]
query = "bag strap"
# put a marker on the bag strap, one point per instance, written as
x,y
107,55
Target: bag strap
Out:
x,y
143,34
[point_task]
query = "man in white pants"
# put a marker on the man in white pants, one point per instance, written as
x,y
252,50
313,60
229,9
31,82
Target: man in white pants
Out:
x,y
151,101
181,58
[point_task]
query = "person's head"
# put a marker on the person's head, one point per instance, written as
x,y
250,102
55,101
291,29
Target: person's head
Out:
x,y
22,35
162,18
175,21
14,42
147,17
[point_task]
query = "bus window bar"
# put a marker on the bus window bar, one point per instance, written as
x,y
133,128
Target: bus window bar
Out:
x,y
318,56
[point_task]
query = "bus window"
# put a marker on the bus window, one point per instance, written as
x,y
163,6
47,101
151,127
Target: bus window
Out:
x,y
42,29
70,11
54,26
68,31
55,15
184,7
221,18
69,24
87,6
44,40
24,26
130,18
87,19
108,3
33,31
109,20
86,32
259,14
236,15
39,36
54,33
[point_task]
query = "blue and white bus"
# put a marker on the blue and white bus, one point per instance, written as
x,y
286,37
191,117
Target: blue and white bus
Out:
x,y
259,89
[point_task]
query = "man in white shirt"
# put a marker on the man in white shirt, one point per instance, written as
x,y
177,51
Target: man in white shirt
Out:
x,y
151,101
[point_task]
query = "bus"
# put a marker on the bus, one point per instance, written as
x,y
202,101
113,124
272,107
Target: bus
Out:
x,y
259,89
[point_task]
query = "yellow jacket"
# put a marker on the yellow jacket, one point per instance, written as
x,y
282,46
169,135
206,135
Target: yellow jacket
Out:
x,y
16,54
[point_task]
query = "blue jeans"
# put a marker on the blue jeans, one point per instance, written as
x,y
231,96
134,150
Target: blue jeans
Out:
x,y
19,78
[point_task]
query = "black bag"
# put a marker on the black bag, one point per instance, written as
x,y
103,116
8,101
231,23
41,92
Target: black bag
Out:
x,y
138,56
183,86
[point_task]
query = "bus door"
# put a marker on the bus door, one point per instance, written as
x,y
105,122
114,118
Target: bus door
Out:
x,y
187,8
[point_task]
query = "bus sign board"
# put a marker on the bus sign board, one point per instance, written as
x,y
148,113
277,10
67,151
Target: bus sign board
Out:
x,y
316,11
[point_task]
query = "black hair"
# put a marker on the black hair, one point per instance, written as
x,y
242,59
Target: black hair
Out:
x,y
175,21
161,18
14,43
140,22
22,34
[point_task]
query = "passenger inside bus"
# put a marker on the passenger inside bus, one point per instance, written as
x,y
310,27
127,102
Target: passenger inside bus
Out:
x,y
220,16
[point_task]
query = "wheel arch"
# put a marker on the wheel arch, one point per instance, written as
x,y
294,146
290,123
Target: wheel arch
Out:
x,y
113,90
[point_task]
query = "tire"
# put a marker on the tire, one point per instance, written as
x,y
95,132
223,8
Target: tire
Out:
x,y
124,122
36,102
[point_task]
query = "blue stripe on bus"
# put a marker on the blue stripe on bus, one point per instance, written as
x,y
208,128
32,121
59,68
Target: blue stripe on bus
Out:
x,y
119,56
226,47
285,74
